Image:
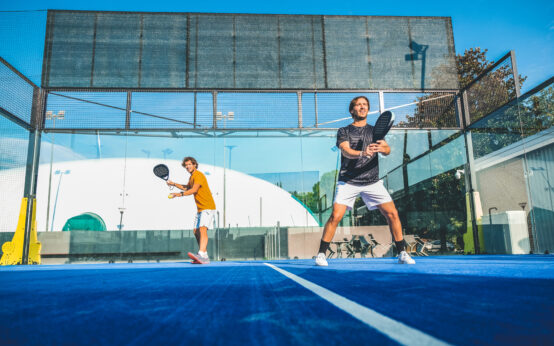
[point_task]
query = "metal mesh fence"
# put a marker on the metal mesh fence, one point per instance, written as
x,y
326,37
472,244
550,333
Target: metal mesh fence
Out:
x,y
16,94
16,100
432,110
145,110
491,91
247,51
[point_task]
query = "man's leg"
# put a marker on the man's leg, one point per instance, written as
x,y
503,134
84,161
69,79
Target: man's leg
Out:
x,y
203,241
201,235
333,222
390,213
329,232
196,232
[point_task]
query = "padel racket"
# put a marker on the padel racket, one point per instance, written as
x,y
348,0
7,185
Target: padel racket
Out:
x,y
382,125
161,171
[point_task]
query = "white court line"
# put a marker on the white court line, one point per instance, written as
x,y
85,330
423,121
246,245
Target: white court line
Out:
x,y
395,330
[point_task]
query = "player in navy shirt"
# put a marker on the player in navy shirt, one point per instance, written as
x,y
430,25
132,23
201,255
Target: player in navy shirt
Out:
x,y
359,176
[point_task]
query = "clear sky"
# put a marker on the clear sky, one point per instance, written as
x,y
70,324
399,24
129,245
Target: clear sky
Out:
x,y
527,27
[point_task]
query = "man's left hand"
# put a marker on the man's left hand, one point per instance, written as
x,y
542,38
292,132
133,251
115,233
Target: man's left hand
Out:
x,y
380,147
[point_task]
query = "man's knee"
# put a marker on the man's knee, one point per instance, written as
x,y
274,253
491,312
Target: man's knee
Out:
x,y
391,214
335,217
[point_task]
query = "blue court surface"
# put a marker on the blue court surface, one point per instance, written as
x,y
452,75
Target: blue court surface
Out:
x,y
440,300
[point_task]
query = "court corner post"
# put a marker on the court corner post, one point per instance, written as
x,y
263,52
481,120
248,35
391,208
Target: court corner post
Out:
x,y
13,251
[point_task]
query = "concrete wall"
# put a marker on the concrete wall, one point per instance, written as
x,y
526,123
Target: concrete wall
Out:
x,y
304,241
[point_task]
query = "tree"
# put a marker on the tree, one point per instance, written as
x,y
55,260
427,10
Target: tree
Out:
x,y
490,92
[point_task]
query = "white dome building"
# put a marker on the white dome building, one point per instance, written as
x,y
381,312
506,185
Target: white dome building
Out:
x,y
108,187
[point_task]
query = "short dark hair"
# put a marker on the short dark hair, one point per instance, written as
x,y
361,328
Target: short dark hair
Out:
x,y
353,103
191,159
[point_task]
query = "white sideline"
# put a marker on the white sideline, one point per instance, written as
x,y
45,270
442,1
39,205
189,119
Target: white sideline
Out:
x,y
395,330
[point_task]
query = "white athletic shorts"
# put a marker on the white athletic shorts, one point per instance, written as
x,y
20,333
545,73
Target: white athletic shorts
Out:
x,y
372,195
205,218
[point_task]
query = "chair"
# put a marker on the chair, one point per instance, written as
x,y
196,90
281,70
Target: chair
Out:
x,y
366,246
414,245
421,248
375,244
358,244
339,245
331,252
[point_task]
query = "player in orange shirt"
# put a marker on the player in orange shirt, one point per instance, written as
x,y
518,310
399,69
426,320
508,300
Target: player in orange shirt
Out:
x,y
198,186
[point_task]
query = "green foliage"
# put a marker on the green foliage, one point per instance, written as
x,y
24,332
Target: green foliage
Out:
x,y
321,196
490,92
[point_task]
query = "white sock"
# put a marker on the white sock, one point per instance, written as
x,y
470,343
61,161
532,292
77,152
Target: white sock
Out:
x,y
203,253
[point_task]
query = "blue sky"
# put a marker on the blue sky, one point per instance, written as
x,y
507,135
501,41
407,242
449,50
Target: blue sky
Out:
x,y
527,27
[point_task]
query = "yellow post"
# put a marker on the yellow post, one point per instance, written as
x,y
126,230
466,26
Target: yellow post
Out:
x,y
469,244
13,250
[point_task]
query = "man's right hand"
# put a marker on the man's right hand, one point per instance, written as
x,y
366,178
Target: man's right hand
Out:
x,y
369,151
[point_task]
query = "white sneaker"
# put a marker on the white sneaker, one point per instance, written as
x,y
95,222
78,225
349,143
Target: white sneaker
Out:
x,y
404,258
320,260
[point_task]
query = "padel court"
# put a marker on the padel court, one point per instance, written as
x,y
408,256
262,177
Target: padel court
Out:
x,y
258,100
458,300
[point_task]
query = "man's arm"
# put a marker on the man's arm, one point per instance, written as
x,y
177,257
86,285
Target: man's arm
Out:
x,y
179,186
191,191
187,191
379,147
352,153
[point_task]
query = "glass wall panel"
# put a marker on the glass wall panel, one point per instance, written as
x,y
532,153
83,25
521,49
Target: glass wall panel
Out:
x,y
82,174
417,143
14,141
513,163
395,180
396,140
448,157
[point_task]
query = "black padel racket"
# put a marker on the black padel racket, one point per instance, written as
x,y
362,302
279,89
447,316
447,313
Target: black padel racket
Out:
x,y
383,125
161,171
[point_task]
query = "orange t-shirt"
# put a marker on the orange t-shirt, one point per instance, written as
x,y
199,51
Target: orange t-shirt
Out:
x,y
203,198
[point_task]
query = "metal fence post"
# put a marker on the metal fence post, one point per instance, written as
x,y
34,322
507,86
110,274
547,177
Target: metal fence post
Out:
x,y
514,71
299,95
31,171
